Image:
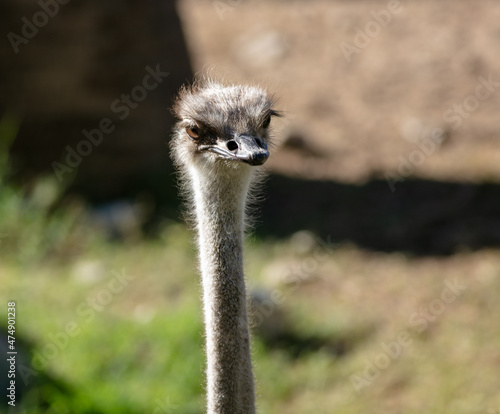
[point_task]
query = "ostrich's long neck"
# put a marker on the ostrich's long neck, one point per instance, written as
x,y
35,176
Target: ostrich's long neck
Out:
x,y
220,209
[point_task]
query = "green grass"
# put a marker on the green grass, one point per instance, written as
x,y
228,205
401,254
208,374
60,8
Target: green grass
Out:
x,y
116,352
143,350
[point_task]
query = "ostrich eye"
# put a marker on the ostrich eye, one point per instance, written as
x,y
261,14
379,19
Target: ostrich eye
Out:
x,y
193,132
266,122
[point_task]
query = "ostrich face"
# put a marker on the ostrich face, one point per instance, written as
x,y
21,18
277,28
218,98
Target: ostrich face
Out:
x,y
223,123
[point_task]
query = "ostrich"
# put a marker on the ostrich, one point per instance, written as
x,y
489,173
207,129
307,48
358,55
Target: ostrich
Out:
x,y
219,141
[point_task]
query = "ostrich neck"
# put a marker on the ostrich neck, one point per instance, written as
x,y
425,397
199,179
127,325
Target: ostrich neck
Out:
x,y
220,209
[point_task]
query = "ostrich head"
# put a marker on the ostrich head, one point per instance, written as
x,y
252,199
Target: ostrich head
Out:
x,y
221,126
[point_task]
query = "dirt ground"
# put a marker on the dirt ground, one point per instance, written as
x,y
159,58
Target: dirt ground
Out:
x,y
369,88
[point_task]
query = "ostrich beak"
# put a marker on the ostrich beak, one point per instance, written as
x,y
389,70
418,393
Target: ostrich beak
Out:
x,y
245,148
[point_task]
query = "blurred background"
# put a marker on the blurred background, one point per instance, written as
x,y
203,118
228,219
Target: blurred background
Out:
x,y
374,265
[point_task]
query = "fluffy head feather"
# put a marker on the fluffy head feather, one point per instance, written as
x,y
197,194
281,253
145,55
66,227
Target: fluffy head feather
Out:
x,y
218,112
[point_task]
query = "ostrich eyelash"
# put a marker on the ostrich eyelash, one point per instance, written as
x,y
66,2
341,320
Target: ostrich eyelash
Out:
x,y
267,119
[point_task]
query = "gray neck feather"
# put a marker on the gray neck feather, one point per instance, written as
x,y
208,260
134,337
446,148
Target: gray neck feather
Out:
x,y
220,215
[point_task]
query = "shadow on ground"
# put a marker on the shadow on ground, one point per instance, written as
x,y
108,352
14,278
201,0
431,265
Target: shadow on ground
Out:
x,y
421,217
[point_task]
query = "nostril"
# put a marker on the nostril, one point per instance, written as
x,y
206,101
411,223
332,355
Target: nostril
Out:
x,y
232,145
